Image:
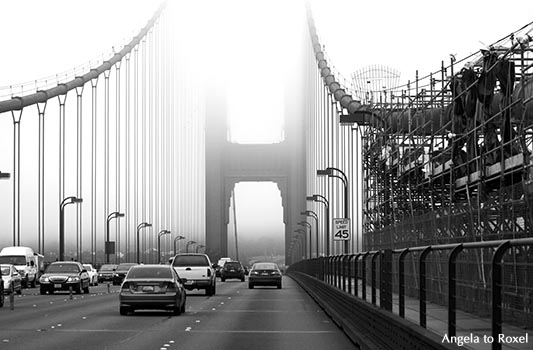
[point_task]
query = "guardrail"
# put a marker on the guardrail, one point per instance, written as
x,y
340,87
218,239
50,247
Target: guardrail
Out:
x,y
490,280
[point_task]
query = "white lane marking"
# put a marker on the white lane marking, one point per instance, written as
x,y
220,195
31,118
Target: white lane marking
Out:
x,y
171,342
197,321
188,329
263,332
213,309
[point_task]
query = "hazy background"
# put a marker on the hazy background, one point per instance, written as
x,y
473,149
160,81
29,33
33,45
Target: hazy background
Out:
x,y
43,40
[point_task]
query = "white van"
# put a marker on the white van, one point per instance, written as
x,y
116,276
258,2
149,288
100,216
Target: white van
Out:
x,y
29,265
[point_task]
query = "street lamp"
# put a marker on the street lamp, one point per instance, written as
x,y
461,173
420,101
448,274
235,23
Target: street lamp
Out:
x,y
321,199
108,248
199,246
4,175
64,202
188,244
314,215
139,227
175,240
161,233
329,172
306,224
302,233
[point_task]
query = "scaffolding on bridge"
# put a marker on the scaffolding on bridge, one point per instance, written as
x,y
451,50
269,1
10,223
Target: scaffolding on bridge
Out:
x,y
447,157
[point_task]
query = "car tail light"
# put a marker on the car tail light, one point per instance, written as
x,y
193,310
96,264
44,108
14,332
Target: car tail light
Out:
x,y
171,287
125,286
208,272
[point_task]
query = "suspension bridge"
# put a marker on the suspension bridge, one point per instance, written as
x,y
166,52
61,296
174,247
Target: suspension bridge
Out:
x,y
408,209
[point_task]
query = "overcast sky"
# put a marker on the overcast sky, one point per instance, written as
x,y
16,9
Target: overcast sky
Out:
x,y
41,39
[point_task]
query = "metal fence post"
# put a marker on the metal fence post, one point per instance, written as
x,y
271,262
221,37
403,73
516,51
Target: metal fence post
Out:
x,y
452,290
401,282
373,264
497,293
385,280
363,277
422,291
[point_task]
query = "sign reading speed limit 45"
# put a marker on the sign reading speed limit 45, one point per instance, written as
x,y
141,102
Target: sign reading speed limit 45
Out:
x,y
341,229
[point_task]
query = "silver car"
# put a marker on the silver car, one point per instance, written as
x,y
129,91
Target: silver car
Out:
x,y
11,279
152,287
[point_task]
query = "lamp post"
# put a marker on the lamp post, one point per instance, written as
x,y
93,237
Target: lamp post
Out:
x,y
161,233
4,175
139,227
314,215
199,246
188,244
321,199
302,233
175,240
108,247
329,172
64,202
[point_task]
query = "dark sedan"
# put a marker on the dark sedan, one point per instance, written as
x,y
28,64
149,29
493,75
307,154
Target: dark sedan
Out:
x,y
152,287
64,276
232,269
106,273
264,274
120,272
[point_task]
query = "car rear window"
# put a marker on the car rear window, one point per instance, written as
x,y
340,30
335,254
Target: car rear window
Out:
x,y
232,265
150,272
190,260
124,267
265,267
108,267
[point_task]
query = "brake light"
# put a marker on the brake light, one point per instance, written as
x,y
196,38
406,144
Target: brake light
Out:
x,y
125,286
208,272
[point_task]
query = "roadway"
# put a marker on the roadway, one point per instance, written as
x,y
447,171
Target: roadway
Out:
x,y
235,318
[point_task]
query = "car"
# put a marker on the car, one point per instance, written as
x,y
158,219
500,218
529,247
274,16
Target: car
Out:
x,y
105,274
120,272
65,276
93,274
152,287
232,269
220,265
12,281
264,274
196,268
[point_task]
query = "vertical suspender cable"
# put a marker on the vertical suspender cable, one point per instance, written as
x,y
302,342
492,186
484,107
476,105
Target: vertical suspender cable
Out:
x,y
117,161
135,137
41,108
79,170
16,177
151,137
94,83
106,154
127,171
143,139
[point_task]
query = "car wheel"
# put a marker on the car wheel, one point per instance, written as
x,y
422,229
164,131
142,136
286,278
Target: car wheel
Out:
x,y
78,289
86,290
209,291
124,310
2,299
250,286
223,279
279,286
176,311
19,291
43,291
182,309
242,279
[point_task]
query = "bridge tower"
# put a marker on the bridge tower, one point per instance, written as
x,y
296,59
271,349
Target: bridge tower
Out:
x,y
229,163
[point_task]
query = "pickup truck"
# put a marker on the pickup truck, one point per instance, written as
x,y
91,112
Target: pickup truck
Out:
x,y
196,272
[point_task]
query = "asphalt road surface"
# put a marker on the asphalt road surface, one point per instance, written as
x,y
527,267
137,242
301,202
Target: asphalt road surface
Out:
x,y
235,318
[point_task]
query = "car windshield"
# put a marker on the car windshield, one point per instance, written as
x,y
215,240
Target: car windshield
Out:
x,y
150,272
5,271
265,266
108,267
54,268
13,259
88,267
190,260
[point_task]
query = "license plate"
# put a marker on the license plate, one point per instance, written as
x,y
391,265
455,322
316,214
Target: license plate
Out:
x,y
57,285
148,289
264,274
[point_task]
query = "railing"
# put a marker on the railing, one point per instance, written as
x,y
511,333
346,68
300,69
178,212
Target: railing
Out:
x,y
489,280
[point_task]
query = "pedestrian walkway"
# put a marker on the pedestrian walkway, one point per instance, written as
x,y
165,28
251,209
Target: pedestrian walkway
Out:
x,y
473,332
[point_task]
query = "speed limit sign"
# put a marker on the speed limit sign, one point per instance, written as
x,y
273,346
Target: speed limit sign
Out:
x,y
341,229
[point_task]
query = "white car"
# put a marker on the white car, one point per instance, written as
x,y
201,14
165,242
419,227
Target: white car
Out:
x,y
11,279
196,271
93,274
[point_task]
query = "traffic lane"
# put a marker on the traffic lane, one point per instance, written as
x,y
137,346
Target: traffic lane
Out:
x,y
239,318
57,321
